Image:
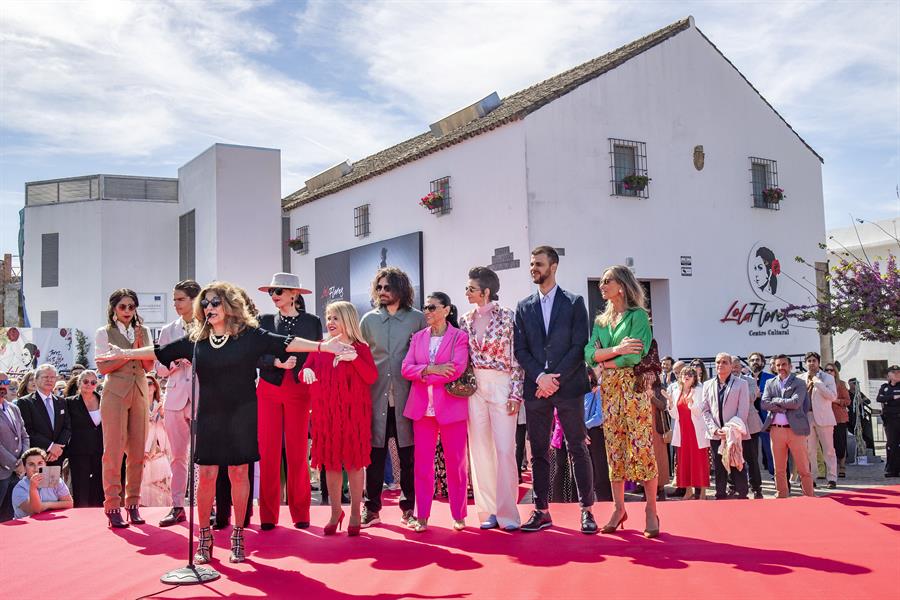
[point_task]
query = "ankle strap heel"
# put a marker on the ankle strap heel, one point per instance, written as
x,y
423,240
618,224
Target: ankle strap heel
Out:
x,y
204,546
237,545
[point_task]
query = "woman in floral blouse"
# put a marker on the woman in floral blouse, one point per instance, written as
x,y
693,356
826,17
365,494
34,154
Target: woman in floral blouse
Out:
x,y
493,408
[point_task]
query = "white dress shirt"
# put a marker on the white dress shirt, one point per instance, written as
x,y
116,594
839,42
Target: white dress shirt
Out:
x,y
101,338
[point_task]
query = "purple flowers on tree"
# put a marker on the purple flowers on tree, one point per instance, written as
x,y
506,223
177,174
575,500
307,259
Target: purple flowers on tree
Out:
x,y
859,295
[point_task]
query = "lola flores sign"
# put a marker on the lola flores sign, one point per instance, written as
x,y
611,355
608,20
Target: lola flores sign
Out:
x,y
760,317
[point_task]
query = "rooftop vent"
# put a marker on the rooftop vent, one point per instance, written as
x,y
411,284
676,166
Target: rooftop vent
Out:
x,y
466,115
327,176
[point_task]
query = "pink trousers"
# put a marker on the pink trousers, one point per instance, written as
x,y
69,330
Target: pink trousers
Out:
x,y
453,439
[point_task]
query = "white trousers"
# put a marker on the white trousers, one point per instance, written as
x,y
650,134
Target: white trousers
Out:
x,y
821,435
492,446
178,430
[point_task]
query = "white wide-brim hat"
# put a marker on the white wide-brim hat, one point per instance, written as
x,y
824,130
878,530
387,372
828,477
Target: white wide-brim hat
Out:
x,y
288,281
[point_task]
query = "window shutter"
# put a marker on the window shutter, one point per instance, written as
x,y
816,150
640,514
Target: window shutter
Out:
x,y
50,260
187,266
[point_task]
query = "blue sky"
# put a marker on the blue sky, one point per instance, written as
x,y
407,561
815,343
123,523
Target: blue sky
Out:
x,y
140,88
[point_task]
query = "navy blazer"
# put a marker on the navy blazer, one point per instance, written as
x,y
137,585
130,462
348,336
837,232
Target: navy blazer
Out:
x,y
37,422
561,350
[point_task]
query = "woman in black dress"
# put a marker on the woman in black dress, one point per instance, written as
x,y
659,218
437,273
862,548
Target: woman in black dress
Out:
x,y
229,345
85,449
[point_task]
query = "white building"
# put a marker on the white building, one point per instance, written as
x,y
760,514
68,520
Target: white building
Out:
x,y
865,360
546,166
87,236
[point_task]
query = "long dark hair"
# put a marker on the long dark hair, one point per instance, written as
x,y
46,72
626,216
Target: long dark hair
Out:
x,y
444,299
114,299
400,285
768,257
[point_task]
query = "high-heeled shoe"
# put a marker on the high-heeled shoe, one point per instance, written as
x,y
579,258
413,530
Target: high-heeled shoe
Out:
x,y
133,515
353,530
115,519
620,525
652,533
237,545
419,525
331,528
204,547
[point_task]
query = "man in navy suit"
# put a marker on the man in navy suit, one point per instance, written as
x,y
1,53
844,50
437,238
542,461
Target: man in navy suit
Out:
x,y
48,424
550,336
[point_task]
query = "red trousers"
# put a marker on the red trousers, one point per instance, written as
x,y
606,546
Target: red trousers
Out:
x,y
283,414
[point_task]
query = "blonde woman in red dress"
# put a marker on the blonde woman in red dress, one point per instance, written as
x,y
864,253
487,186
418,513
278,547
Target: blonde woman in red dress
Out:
x,y
342,412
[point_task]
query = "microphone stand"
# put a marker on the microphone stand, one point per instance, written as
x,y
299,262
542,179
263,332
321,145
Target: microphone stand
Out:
x,y
191,574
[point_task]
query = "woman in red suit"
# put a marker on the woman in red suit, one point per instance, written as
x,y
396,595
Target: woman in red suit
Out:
x,y
437,355
342,412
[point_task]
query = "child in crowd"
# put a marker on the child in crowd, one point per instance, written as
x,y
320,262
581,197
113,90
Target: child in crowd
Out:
x,y
28,497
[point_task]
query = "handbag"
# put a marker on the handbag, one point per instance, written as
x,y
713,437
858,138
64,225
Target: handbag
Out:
x,y
464,385
664,425
650,363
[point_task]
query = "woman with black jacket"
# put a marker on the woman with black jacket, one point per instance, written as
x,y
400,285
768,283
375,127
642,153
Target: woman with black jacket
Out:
x,y
85,449
283,405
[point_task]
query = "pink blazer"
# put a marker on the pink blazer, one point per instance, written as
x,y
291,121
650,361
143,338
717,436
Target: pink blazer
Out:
x,y
447,407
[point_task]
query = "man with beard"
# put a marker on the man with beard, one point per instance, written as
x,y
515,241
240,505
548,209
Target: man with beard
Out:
x,y
387,329
550,336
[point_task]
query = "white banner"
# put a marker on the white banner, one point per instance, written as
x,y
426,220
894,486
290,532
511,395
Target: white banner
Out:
x,y
23,349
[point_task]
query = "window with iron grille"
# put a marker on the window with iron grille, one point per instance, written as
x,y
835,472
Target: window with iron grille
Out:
x,y
763,175
301,240
441,186
628,167
361,221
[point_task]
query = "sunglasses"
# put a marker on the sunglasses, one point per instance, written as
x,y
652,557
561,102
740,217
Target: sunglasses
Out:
x,y
89,382
606,281
215,302
276,291
126,307
826,370
383,288
430,308
472,289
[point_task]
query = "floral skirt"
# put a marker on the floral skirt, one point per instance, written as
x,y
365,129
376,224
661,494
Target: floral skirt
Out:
x,y
627,427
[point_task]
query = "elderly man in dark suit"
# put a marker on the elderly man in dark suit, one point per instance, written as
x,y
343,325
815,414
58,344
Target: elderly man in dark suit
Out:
x,y
46,417
786,399
550,335
13,442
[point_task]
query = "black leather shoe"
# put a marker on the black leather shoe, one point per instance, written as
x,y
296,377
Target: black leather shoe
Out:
x,y
134,515
758,495
588,524
115,519
176,515
539,520
302,524
267,526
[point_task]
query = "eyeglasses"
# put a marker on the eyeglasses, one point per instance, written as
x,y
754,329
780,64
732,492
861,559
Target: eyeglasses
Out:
x,y
126,307
215,302
472,289
383,288
276,291
430,308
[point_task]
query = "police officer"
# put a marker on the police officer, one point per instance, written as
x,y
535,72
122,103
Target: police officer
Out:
x,y
889,397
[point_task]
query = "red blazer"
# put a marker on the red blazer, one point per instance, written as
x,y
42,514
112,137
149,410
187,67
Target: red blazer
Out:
x,y
447,407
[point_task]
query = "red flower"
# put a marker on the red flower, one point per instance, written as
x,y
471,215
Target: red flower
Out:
x,y
776,267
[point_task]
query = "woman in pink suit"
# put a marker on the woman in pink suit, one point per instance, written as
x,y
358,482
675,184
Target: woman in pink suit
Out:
x,y
437,355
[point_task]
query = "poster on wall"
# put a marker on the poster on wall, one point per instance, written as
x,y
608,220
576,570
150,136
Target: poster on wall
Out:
x,y
348,275
22,349
152,308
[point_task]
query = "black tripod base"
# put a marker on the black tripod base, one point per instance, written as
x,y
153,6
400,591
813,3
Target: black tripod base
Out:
x,y
190,575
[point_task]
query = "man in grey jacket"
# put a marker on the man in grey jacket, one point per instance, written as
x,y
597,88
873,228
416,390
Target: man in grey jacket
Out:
x,y
13,442
387,329
787,401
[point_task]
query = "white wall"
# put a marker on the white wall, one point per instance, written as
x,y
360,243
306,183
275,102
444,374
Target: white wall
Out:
x,y
678,94
488,199
103,245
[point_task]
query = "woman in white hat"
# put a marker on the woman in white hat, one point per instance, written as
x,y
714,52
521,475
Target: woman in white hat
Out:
x,y
283,405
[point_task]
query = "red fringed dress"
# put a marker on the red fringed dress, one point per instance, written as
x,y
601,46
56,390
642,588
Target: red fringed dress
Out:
x,y
342,409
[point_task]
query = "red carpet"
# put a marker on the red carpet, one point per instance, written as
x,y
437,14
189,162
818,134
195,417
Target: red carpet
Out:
x,y
798,548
